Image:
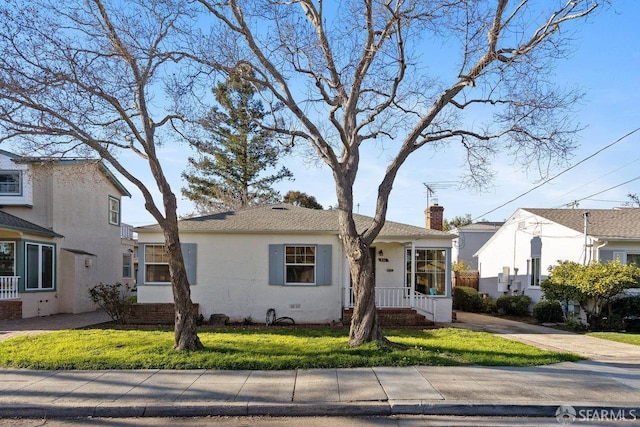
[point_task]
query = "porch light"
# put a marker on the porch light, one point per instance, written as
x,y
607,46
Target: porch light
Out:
x,y
380,253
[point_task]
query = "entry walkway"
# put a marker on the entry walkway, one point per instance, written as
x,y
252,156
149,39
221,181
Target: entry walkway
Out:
x,y
56,322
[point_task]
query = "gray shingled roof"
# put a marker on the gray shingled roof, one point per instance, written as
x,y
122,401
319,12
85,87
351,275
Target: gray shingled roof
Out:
x,y
481,226
14,223
619,223
290,219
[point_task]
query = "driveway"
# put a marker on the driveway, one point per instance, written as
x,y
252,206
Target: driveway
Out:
x,y
551,339
56,322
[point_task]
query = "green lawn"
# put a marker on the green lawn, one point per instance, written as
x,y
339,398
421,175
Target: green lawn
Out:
x,y
625,337
265,349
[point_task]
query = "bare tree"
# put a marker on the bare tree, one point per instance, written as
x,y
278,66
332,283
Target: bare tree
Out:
x,y
355,72
83,77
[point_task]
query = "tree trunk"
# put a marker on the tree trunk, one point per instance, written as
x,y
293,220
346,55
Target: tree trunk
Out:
x,y
364,321
185,329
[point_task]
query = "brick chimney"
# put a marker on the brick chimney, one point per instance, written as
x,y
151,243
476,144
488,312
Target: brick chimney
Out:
x,y
434,217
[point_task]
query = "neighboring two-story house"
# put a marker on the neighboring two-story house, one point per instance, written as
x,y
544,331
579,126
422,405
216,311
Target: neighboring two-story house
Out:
x,y
60,234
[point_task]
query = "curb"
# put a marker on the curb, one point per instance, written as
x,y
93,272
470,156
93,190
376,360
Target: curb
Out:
x,y
352,409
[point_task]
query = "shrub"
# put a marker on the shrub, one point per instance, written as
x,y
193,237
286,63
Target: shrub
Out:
x,y
513,305
626,306
467,299
489,306
113,299
548,312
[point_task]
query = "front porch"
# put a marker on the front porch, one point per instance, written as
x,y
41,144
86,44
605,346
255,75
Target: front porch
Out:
x,y
396,302
10,305
9,287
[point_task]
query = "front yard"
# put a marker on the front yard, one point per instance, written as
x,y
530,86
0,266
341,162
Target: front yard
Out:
x,y
625,337
285,348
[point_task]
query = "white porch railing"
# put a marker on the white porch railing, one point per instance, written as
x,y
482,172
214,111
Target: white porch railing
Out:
x,y
401,298
9,287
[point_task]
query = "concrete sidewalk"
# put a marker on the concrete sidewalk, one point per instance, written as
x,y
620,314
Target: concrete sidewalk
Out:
x,y
610,382
469,391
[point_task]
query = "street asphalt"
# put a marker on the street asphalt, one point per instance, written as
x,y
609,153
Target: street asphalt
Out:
x,y
606,387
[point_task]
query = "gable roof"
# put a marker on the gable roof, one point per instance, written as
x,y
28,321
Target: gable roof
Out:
x,y
12,222
618,223
285,218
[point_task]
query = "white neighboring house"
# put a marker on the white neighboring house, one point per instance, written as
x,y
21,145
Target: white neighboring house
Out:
x,y
518,256
291,259
60,234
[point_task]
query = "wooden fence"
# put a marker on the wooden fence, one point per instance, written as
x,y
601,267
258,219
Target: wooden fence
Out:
x,y
469,278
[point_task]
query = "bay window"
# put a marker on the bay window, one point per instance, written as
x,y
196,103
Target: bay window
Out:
x,y
430,271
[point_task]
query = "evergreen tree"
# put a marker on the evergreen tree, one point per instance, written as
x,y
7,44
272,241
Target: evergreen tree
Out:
x,y
298,198
228,172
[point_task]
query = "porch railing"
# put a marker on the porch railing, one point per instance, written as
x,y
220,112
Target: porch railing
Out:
x,y
9,287
401,298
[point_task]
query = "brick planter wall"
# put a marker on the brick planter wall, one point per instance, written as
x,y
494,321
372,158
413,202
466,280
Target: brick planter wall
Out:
x,y
153,314
10,310
393,317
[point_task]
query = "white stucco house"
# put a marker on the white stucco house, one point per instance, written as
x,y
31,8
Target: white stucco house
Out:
x,y
291,259
518,256
60,234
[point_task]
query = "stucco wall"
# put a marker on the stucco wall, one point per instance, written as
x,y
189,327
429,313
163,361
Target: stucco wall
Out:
x,y
73,200
233,279
511,247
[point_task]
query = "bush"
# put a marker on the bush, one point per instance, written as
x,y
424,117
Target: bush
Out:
x,y
548,312
607,322
513,305
489,306
626,306
467,299
114,299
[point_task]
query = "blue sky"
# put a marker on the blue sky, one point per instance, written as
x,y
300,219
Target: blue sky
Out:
x,y
605,63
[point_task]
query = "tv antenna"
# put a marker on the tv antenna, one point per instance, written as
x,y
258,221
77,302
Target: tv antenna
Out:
x,y
433,187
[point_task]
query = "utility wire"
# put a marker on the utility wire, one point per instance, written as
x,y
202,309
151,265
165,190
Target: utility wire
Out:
x,y
562,173
610,188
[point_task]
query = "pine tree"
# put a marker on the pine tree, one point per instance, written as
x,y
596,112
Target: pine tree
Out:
x,y
228,171
299,198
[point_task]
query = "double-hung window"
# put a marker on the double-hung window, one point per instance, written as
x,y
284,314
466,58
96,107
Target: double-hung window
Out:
x,y
127,265
535,272
156,264
10,183
114,211
39,263
300,265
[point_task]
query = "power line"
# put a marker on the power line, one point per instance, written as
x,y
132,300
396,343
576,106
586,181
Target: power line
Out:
x,y
562,173
610,188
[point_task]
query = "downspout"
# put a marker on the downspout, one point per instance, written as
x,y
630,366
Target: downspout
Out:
x,y
586,235
605,243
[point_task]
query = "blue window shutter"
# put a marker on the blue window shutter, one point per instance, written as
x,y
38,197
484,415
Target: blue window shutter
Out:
x,y
189,253
140,275
323,265
276,264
